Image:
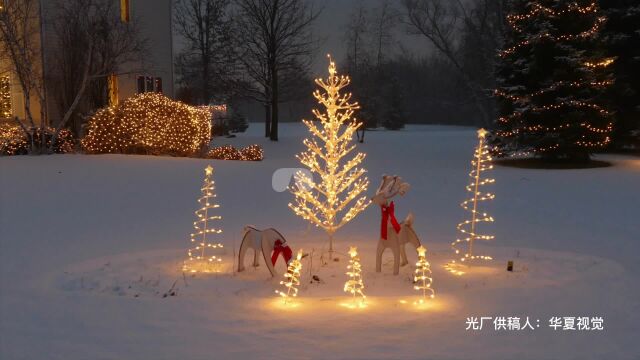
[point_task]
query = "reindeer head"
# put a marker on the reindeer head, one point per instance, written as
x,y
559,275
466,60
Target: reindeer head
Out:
x,y
390,187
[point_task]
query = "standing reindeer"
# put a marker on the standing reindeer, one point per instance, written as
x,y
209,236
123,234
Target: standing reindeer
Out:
x,y
393,235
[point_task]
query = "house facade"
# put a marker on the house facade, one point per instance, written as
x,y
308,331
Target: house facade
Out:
x,y
154,72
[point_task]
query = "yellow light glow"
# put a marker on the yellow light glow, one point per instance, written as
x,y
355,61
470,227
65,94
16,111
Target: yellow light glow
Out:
x,y
327,204
201,256
291,279
468,228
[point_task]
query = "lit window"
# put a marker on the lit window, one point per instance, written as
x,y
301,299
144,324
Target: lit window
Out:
x,y
125,10
5,97
113,89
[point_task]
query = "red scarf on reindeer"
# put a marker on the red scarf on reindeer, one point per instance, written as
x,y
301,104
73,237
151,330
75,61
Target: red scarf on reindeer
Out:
x,y
388,212
279,248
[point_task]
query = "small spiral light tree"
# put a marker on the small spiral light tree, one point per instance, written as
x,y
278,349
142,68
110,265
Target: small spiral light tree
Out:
x,y
355,285
291,279
201,257
422,276
469,228
326,204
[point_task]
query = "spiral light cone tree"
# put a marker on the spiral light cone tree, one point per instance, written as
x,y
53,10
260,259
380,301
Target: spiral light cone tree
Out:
x,y
355,285
201,256
422,279
469,228
291,279
329,203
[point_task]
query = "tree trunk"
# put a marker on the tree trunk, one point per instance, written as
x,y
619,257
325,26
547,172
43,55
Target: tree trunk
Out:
x,y
267,120
274,105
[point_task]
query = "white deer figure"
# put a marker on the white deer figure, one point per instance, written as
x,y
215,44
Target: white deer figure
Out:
x,y
261,241
393,235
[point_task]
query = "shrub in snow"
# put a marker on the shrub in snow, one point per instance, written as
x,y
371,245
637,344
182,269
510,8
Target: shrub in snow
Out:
x,y
228,152
14,140
149,123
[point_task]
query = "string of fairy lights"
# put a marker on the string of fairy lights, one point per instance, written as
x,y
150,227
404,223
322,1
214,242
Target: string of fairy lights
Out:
x,y
529,105
422,276
469,228
202,257
150,123
321,203
291,279
5,97
14,140
229,152
355,285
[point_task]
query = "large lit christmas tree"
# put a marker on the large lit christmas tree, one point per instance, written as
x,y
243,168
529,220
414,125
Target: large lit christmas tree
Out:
x,y
551,79
329,203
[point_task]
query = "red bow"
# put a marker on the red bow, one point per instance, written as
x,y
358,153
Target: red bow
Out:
x,y
277,249
388,212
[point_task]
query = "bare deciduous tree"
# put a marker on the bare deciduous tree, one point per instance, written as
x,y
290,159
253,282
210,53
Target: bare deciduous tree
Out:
x,y
386,18
448,25
274,42
356,36
92,43
19,40
206,60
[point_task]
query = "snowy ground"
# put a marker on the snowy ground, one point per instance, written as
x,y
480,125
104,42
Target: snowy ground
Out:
x,y
90,248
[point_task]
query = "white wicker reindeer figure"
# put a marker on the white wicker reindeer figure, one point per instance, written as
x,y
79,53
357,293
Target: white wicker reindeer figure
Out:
x,y
262,242
393,235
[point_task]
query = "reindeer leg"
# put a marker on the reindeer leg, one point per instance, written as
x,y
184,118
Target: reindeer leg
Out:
x,y
266,253
256,262
241,253
403,255
396,258
379,252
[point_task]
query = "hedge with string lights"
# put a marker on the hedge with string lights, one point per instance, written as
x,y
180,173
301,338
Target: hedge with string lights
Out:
x,y
149,123
551,78
15,141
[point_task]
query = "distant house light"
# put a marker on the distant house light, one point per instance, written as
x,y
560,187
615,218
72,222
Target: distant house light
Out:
x,y
125,10
5,97
113,89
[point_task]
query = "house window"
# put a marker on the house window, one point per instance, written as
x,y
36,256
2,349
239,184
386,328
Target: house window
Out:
x,y
158,85
113,89
149,87
5,97
125,10
141,84
149,84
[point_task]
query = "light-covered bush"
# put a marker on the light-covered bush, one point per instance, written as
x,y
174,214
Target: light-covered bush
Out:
x,y
149,123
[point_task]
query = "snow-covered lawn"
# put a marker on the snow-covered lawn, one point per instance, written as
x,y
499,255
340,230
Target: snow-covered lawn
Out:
x,y
90,245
